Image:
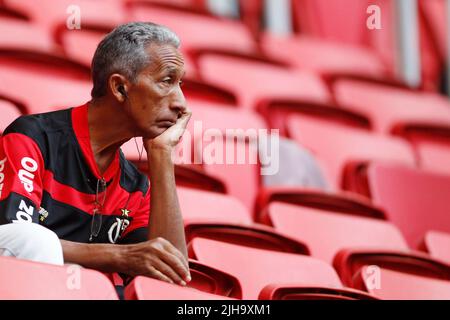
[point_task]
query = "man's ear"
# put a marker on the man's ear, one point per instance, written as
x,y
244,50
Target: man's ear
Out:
x,y
118,85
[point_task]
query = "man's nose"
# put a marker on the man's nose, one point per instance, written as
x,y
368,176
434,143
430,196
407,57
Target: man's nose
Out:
x,y
178,103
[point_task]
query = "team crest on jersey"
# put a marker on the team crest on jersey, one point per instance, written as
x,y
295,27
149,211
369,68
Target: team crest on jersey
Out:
x,y
119,226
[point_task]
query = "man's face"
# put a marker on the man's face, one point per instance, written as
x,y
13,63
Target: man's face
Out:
x,y
156,100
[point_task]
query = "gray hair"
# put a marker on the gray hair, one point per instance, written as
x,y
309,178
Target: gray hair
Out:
x,y
123,51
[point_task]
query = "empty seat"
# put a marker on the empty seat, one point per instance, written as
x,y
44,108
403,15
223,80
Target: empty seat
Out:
x,y
343,202
196,30
210,280
437,244
252,236
388,107
335,145
434,156
143,288
18,34
327,232
50,14
258,80
9,112
257,268
197,205
395,285
349,264
325,57
415,201
50,82
302,292
434,12
27,280
431,143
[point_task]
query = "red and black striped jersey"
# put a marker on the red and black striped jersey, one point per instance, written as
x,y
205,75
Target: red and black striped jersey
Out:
x,y
48,175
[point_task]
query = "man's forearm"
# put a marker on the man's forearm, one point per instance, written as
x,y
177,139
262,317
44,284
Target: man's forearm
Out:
x,y
165,215
102,257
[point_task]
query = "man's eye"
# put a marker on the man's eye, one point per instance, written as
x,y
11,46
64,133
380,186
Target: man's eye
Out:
x,y
181,82
167,80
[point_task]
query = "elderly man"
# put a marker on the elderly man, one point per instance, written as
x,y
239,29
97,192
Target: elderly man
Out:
x,y
68,194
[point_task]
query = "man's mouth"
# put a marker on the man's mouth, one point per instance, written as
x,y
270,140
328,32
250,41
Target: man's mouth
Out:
x,y
166,123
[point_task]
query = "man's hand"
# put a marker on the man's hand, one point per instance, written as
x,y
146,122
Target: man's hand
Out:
x,y
172,136
158,259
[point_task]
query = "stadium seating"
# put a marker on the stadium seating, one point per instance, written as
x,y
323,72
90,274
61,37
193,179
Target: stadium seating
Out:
x,y
259,80
262,267
14,31
197,205
343,202
389,107
415,201
342,231
253,236
142,288
335,145
400,286
349,263
323,57
50,14
9,112
50,82
27,280
215,32
213,281
302,292
436,244
431,143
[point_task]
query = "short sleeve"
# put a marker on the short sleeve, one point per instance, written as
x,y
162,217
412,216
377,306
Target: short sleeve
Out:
x,y
21,179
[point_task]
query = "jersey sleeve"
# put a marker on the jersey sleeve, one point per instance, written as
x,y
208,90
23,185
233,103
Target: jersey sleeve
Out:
x,y
137,231
21,179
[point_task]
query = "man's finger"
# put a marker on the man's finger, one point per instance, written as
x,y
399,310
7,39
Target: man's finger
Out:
x,y
174,251
169,272
156,274
177,265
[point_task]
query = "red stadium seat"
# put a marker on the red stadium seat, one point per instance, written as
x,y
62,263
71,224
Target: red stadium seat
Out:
x,y
252,236
342,230
257,268
27,280
192,177
437,244
276,113
431,143
324,57
434,156
9,112
329,20
196,30
197,205
343,202
349,263
50,82
258,80
415,201
15,31
50,14
434,12
395,285
214,281
388,107
302,292
142,288
335,145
